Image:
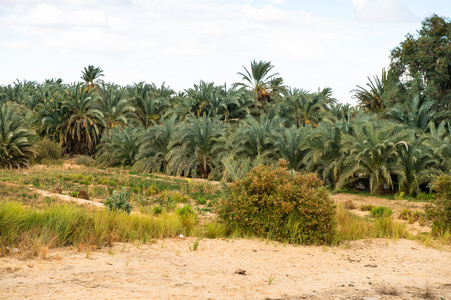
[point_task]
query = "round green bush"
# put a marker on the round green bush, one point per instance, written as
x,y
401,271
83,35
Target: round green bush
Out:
x,y
281,205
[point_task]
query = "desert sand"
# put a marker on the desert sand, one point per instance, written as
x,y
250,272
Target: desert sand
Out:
x,y
169,269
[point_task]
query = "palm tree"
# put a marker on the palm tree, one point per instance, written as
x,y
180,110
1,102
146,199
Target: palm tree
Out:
x,y
440,142
323,152
371,98
372,153
150,102
120,146
258,79
196,146
154,149
417,117
290,144
418,166
253,138
115,105
16,139
83,120
91,74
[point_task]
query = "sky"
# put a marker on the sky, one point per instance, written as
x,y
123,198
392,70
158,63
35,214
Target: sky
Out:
x,y
311,43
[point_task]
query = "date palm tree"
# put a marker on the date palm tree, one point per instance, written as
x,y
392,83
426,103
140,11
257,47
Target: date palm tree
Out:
x,y
16,139
291,145
418,166
196,146
90,75
372,153
154,148
371,97
120,146
254,137
84,120
115,105
258,79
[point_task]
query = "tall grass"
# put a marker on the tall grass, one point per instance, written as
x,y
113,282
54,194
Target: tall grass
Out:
x,y
353,227
65,224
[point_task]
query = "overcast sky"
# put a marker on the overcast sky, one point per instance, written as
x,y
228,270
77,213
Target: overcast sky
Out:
x,y
312,43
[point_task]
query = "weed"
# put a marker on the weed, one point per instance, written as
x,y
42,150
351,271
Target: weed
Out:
x,y
380,211
118,202
385,289
349,205
271,278
366,207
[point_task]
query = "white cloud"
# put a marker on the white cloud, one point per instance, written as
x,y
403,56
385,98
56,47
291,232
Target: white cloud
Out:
x,y
382,11
17,44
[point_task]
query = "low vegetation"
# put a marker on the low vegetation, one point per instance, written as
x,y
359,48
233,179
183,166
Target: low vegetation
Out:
x,y
282,206
271,202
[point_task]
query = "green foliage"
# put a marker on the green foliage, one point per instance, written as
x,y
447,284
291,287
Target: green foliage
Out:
x,y
425,60
273,203
185,211
152,190
440,209
380,211
84,160
119,146
23,226
48,150
16,139
411,216
118,202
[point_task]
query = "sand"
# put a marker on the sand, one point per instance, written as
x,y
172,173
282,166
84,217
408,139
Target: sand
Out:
x,y
168,269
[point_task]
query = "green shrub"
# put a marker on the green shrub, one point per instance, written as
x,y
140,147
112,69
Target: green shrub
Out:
x,y
366,207
157,209
424,196
184,211
152,190
118,201
411,216
201,200
281,205
48,150
380,211
440,209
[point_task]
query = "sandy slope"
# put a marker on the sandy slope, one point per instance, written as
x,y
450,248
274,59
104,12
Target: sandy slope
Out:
x,y
168,269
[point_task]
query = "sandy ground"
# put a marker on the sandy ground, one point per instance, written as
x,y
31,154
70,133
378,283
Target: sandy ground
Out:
x,y
168,269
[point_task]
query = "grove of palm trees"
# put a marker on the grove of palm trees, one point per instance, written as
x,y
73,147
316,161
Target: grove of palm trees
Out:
x,y
397,139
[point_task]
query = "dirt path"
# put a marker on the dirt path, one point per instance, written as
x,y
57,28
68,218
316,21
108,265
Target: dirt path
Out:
x,y
167,269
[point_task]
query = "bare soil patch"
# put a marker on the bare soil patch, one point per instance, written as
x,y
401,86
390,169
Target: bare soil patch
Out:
x,y
167,269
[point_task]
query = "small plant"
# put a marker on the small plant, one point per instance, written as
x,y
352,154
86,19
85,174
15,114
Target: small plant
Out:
x,y
195,245
185,211
152,190
366,207
201,200
157,209
84,160
400,196
349,205
118,202
411,216
271,278
385,289
380,211
424,197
